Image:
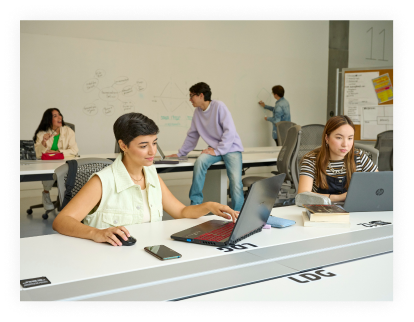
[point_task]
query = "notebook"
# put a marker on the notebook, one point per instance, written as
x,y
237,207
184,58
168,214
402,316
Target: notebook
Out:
x,y
370,191
168,160
253,216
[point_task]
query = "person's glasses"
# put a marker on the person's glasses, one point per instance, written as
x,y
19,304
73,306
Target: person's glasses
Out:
x,y
191,95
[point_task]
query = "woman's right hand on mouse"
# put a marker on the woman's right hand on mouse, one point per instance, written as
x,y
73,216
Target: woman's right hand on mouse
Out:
x,y
108,235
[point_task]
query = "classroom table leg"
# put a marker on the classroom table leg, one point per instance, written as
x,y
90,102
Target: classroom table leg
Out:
x,y
215,186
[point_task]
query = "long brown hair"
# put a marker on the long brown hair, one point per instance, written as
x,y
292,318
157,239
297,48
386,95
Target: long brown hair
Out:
x,y
322,153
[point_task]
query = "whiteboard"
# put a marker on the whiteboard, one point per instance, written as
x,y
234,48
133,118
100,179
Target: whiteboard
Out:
x,y
93,82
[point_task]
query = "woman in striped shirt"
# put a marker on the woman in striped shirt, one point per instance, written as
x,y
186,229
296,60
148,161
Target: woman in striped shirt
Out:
x,y
327,170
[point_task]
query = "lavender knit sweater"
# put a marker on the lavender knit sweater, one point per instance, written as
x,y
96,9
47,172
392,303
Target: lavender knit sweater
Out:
x,y
216,128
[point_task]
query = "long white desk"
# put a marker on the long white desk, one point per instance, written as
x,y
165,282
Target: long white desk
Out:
x,y
215,187
83,270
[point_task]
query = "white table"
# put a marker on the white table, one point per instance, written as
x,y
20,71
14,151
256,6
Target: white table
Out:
x,y
215,187
83,270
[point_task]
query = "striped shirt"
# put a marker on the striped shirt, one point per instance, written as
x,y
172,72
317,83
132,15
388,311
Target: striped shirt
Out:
x,y
308,166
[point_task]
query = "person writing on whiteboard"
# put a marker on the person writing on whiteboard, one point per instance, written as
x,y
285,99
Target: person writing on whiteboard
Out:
x,y
281,111
327,170
127,192
213,122
52,135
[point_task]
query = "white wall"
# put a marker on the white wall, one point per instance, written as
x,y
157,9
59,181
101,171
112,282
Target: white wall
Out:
x,y
370,44
240,60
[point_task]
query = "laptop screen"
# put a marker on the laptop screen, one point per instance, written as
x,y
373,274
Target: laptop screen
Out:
x,y
370,191
160,152
258,205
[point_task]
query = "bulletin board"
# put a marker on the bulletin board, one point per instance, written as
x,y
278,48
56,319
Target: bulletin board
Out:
x,y
367,98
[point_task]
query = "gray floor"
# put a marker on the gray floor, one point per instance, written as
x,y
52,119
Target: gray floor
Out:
x,y
34,225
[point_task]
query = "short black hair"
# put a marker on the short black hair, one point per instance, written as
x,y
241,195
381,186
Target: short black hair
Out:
x,y
201,88
278,90
128,126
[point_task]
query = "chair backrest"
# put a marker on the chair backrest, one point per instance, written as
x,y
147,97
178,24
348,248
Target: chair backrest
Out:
x,y
282,128
27,150
117,147
369,150
310,138
72,126
384,145
86,167
286,153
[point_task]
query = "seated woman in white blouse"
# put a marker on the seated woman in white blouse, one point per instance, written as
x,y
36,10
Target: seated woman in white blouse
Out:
x,y
129,191
327,170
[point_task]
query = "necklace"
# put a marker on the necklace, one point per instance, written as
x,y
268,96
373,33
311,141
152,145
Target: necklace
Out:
x,y
137,180
336,171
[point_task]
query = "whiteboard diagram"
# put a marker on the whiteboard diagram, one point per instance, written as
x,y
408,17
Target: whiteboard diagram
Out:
x,y
376,119
176,109
117,94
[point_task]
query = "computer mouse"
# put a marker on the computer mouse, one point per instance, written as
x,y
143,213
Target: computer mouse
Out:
x,y
131,240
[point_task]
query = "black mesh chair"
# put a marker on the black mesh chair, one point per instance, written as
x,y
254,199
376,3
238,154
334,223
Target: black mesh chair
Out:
x,y
282,128
384,145
284,164
309,138
86,167
55,203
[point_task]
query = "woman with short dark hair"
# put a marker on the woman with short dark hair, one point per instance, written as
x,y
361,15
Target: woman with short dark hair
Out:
x,y
52,135
129,191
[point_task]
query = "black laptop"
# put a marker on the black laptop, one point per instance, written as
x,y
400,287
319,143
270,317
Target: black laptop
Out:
x,y
168,160
253,216
370,191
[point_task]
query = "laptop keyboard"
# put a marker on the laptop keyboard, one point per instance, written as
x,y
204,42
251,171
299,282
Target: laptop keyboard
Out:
x,y
219,233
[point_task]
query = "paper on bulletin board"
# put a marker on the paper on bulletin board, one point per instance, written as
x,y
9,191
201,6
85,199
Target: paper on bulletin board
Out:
x,y
376,119
358,93
383,88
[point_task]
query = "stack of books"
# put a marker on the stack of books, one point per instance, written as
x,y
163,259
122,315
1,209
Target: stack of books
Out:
x,y
325,216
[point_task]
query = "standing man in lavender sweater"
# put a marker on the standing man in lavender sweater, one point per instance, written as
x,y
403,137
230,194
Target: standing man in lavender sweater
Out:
x,y
213,122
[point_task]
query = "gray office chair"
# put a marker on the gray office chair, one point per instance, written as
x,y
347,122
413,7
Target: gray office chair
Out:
x,y
86,167
284,163
369,150
309,138
55,203
282,128
72,126
384,145
117,148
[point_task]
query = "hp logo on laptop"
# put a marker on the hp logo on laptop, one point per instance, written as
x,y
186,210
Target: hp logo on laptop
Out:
x,y
379,192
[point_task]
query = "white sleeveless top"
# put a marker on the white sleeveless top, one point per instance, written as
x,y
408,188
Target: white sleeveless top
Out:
x,y
123,202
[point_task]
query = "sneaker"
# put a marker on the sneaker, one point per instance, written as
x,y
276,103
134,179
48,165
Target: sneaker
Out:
x,y
47,203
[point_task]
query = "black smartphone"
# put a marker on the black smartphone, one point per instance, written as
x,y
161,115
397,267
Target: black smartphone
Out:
x,y
162,252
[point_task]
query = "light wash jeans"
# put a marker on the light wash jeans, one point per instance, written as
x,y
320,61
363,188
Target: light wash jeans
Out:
x,y
233,162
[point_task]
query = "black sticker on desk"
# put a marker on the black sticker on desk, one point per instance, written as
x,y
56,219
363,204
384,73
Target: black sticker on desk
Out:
x,y
231,248
37,281
375,223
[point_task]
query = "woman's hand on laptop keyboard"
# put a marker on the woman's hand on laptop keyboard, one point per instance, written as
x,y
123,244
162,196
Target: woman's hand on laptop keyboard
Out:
x,y
222,211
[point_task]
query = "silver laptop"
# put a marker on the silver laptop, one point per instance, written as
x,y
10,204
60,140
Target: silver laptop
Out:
x,y
163,157
370,191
